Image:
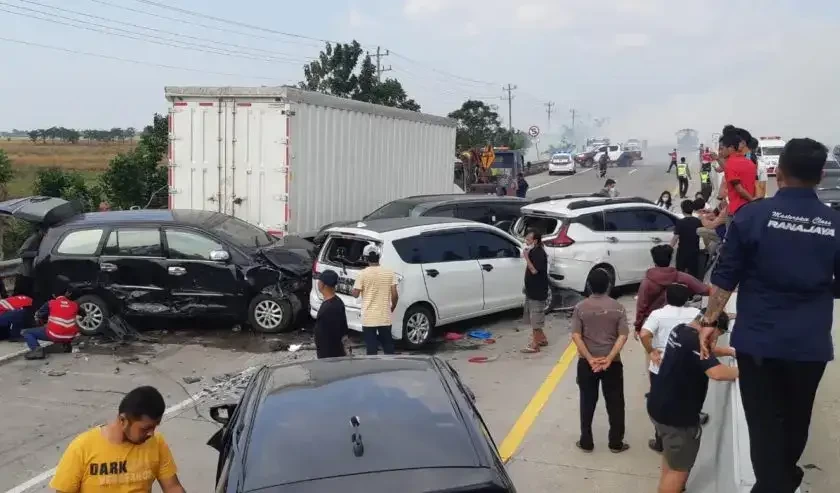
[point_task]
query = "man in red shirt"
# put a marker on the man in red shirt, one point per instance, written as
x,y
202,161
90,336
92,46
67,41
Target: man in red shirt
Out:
x,y
15,314
739,173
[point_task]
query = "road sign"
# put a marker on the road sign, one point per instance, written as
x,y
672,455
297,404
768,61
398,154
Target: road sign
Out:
x,y
487,157
534,131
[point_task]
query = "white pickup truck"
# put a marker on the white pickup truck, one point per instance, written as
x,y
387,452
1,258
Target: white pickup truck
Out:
x,y
613,153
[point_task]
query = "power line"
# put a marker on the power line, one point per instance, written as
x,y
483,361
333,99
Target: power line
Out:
x,y
509,89
145,37
137,62
379,68
139,26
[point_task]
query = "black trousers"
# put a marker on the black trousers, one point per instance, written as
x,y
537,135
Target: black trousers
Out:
x,y
706,190
778,398
672,165
683,180
374,336
612,385
688,262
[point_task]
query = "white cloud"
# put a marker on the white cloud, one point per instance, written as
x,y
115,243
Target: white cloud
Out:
x,y
419,8
356,19
630,40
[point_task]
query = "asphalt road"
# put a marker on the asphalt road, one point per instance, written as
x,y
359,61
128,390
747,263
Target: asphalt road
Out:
x,y
528,401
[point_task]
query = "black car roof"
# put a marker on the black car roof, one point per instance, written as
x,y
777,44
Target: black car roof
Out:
x,y
163,216
408,419
433,200
397,223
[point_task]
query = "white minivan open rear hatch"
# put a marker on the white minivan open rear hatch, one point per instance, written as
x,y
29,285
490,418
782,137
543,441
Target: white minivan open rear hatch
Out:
x,y
342,253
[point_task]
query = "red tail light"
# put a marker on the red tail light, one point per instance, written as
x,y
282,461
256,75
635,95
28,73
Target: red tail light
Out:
x,y
562,239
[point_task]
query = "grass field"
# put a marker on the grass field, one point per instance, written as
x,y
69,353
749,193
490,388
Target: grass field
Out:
x,y
27,158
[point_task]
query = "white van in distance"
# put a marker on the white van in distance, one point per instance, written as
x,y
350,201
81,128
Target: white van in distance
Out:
x,y
769,149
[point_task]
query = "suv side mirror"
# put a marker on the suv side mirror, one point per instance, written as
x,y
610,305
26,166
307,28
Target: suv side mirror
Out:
x,y
219,256
222,413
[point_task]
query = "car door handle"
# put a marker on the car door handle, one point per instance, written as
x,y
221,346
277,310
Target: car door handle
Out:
x,y
487,267
612,239
107,267
432,272
656,239
177,271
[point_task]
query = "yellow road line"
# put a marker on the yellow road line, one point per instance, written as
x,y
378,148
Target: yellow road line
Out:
x,y
526,419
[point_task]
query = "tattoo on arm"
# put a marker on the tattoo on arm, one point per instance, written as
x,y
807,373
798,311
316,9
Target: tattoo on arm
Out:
x,y
717,303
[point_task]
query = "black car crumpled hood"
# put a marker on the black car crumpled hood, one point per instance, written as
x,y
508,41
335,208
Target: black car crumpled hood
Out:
x,y
291,255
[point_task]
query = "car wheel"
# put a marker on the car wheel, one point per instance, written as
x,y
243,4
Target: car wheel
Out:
x,y
588,291
417,327
270,314
96,314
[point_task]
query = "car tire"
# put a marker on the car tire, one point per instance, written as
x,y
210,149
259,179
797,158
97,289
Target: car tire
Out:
x,y
418,325
270,314
96,316
587,291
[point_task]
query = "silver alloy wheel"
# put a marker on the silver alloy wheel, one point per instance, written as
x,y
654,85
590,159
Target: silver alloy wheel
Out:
x,y
418,328
93,318
269,314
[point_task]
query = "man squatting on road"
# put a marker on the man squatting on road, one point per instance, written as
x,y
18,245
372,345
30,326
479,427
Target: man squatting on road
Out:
x,y
785,309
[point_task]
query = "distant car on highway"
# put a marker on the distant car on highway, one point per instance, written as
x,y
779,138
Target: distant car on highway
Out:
x,y
372,425
768,152
562,162
164,263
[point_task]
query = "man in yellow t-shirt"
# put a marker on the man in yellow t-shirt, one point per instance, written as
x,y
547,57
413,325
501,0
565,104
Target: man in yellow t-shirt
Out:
x,y
124,456
377,286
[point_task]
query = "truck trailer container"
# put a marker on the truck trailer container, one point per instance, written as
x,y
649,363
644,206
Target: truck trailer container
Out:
x,y
290,161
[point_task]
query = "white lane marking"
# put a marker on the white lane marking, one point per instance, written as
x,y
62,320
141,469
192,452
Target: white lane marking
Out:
x,y
633,171
558,180
193,399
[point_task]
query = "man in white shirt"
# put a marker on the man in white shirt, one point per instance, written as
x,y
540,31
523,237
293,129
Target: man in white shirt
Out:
x,y
657,328
761,181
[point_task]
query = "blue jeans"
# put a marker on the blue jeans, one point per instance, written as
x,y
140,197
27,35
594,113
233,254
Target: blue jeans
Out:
x,y
13,321
376,335
32,336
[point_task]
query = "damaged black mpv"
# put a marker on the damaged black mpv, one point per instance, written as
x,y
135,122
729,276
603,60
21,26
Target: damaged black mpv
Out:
x,y
167,263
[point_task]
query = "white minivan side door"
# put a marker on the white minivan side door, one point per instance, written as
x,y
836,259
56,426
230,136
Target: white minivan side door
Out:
x,y
502,269
453,280
628,245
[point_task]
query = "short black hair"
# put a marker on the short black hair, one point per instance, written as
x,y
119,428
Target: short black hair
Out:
x,y
687,206
609,182
722,322
699,204
744,135
728,128
662,255
730,139
677,294
682,159
803,159
599,281
753,143
143,401
536,233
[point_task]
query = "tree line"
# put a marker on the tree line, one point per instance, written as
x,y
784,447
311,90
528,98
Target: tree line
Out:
x,y
73,136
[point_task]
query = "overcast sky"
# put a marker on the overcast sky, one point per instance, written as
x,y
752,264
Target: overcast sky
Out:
x,y
650,66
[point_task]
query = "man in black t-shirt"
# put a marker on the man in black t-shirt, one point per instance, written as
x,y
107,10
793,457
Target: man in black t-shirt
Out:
x,y
331,321
687,241
676,399
536,289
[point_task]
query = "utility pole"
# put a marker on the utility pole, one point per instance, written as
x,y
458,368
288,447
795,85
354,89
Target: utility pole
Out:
x,y
549,109
379,67
509,89
573,112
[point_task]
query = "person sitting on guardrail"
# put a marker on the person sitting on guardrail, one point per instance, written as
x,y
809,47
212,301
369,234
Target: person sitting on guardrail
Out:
x,y
15,314
677,395
60,326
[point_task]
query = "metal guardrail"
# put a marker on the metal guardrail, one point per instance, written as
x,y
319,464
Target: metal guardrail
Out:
x,y
9,268
536,167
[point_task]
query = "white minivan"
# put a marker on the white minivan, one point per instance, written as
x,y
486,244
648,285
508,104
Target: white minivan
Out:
x,y
768,152
448,270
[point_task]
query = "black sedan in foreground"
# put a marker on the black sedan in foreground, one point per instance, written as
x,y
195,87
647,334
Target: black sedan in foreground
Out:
x,y
357,425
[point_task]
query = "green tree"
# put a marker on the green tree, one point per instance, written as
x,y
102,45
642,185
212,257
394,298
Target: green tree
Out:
x,y
139,176
338,71
516,139
478,125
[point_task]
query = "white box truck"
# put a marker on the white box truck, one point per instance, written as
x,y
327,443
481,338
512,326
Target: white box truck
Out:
x,y
291,161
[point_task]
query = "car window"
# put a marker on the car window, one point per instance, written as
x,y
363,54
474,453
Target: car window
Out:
x,y
84,242
190,246
506,212
134,243
486,245
436,248
544,224
479,213
442,211
594,221
622,220
613,148
397,208
653,220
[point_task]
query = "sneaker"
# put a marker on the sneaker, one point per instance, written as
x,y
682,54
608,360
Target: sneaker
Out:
x,y
37,353
621,448
655,445
67,348
588,450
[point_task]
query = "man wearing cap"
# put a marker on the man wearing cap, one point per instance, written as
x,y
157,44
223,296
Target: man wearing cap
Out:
x,y
331,321
377,286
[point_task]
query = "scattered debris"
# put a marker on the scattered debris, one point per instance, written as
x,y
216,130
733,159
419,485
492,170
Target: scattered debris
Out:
x,y
279,346
294,347
237,328
117,370
56,373
480,334
100,390
192,379
483,359
453,336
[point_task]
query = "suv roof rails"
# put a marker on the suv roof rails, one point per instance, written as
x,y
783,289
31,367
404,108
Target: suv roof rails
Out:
x,y
549,198
583,204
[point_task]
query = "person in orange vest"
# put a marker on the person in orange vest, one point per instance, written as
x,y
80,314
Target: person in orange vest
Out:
x,y
15,314
60,328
